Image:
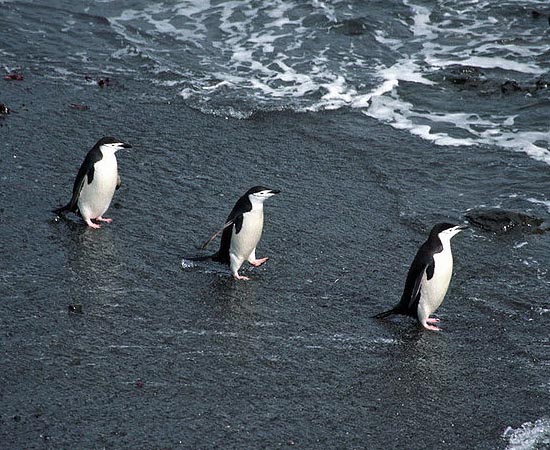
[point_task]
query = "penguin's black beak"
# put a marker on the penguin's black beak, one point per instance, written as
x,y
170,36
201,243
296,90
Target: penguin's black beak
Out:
x,y
462,227
125,145
274,191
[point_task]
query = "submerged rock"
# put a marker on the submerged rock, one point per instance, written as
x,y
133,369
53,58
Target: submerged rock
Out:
x,y
464,75
510,86
502,221
471,77
353,27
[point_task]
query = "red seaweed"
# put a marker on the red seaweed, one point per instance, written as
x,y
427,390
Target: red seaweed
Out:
x,y
13,76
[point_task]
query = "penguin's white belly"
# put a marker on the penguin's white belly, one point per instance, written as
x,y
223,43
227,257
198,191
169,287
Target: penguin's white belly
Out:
x,y
244,242
432,291
96,197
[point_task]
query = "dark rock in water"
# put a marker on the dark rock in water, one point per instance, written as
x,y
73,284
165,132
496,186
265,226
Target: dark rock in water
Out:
x,y
464,75
541,83
540,15
470,77
104,82
77,309
510,86
502,221
353,27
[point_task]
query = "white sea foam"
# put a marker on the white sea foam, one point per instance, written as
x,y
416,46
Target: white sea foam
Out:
x,y
328,10
388,106
540,202
187,264
530,436
394,44
401,115
267,54
488,62
421,22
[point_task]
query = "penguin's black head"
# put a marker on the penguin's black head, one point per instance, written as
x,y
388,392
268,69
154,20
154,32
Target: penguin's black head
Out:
x,y
446,229
111,143
262,189
261,192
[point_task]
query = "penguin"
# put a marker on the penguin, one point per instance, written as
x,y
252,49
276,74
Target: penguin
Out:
x,y
428,277
96,182
242,232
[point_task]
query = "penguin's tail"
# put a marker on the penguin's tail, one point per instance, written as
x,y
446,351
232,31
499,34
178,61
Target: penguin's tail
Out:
x,y
217,257
69,207
387,313
200,258
62,209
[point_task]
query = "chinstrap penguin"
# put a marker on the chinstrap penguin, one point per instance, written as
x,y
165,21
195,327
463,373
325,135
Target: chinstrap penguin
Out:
x,y
96,182
242,232
429,277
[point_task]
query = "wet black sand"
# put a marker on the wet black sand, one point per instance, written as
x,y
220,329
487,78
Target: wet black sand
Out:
x,y
162,357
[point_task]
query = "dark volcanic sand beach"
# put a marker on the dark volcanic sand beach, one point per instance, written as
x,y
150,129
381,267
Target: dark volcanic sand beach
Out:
x,y
165,357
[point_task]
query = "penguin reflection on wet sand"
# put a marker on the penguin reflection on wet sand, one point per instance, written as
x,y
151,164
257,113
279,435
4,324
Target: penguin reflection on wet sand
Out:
x,y
242,232
428,278
96,182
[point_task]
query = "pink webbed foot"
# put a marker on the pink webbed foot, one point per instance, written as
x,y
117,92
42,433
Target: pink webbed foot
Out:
x,y
258,262
240,277
104,219
92,225
432,320
431,327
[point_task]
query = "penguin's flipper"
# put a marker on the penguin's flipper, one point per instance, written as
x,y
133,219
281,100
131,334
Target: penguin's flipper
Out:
x,y
422,266
235,219
423,263
413,297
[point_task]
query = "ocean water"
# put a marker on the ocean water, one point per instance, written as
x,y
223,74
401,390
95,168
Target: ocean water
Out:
x,y
376,119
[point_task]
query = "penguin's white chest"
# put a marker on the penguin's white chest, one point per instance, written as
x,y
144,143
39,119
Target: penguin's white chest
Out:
x,y
96,197
432,291
245,241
